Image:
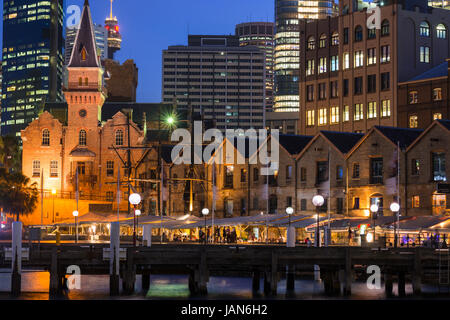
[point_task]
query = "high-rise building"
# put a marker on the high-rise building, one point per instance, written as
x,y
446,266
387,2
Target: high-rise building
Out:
x,y
349,74
440,4
114,37
32,60
287,46
101,39
260,34
216,77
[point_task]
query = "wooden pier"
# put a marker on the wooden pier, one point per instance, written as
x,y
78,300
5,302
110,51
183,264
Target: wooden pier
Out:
x,y
338,265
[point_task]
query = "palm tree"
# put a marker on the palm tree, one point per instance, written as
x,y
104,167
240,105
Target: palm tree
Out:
x,y
10,153
17,195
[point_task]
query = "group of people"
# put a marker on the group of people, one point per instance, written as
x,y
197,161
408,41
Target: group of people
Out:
x,y
228,235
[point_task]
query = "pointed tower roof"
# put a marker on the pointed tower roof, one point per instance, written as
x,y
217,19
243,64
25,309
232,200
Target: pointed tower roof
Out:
x,y
84,52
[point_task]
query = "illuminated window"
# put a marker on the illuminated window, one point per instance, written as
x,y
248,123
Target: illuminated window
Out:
x,y
322,117
372,110
371,56
385,108
323,65
437,116
359,58
346,61
359,112
46,137
346,114
416,201
437,94
36,168
311,43
441,31
413,121
425,54
323,41
413,97
335,39
82,138
438,166
310,118
83,54
424,29
334,115
119,138
310,67
334,63
415,167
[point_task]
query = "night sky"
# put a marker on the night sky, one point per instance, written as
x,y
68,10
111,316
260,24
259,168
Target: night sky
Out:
x,y
149,26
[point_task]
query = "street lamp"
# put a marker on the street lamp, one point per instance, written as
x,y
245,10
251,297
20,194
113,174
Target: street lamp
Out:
x,y
134,199
395,208
53,196
75,214
318,201
374,209
137,213
205,212
289,211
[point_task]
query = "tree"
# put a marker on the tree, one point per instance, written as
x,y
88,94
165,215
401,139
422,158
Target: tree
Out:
x,y
17,195
10,153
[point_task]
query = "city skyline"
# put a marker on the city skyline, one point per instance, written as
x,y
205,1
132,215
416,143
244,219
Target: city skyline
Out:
x,y
148,54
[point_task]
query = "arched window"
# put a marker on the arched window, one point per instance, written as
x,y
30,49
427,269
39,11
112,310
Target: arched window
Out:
x,y
46,137
83,54
441,31
335,39
311,43
323,40
424,29
385,28
86,81
358,33
80,81
119,138
82,138
377,199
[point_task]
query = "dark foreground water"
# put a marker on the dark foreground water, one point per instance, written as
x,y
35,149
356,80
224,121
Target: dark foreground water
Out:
x,y
35,287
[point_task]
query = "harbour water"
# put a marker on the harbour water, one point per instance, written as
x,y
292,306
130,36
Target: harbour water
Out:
x,y
35,287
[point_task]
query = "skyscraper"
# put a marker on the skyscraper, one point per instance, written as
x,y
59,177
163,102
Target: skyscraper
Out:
x,y
261,35
287,46
214,76
32,60
439,4
114,37
101,39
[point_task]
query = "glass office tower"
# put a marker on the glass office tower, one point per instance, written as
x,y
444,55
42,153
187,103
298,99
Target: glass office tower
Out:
x,y
287,47
32,60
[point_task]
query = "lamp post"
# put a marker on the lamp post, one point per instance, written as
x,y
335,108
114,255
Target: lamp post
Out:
x,y
205,212
318,201
374,209
395,208
75,214
289,212
53,196
137,213
134,199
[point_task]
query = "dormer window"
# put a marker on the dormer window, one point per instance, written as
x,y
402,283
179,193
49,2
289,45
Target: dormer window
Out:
x,y
83,54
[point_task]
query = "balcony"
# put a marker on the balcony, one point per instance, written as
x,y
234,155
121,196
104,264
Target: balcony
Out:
x,y
83,179
376,180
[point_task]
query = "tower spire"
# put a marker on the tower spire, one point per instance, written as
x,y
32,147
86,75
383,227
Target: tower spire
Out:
x,y
111,15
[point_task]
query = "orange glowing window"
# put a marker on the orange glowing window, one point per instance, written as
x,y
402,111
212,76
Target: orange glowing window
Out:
x,y
83,54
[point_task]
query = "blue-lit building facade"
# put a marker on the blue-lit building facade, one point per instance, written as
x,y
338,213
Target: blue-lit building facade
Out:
x,y
32,60
287,46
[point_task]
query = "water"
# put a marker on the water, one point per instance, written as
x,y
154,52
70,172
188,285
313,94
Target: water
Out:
x,y
35,286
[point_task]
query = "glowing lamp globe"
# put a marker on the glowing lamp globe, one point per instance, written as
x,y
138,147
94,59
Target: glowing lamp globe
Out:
x,y
75,213
318,201
289,210
374,208
395,207
134,198
205,211
137,212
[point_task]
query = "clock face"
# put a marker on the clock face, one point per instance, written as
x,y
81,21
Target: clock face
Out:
x,y
82,113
